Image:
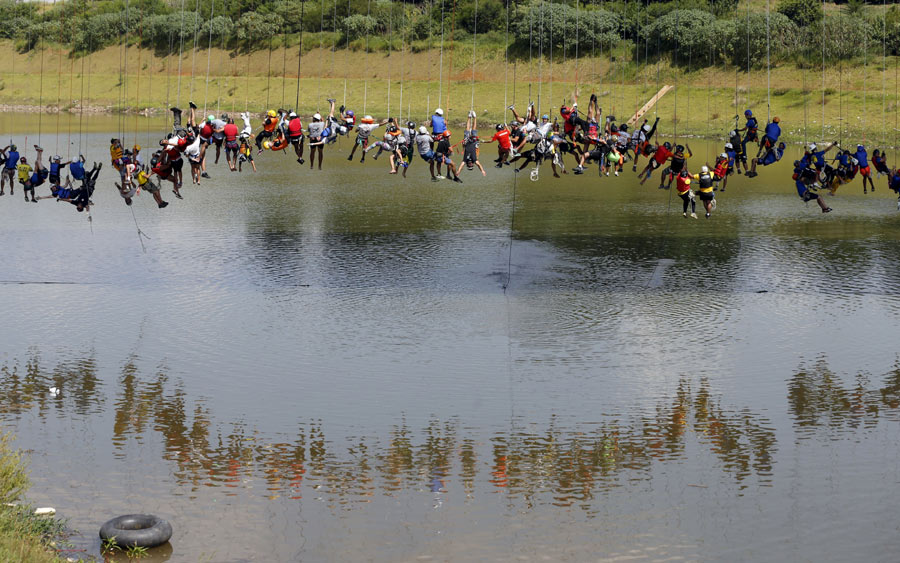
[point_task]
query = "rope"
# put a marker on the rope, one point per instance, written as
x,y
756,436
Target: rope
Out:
x,y
212,6
194,51
512,222
577,40
180,54
768,70
441,63
541,61
823,73
284,61
268,73
883,72
137,96
233,69
366,82
141,234
474,47
389,65
506,69
41,90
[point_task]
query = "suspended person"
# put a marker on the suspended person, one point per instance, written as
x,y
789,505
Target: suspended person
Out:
x,y
218,134
79,197
894,184
9,167
442,155
59,192
115,153
720,171
772,155
504,145
76,168
706,191
771,136
230,132
815,157
136,155
202,131
614,158
471,144
270,124
424,144
406,145
316,139
805,186
683,187
363,131
879,161
737,147
752,128
38,176
245,153
865,171
678,163
643,143
660,156
194,154
296,136
438,123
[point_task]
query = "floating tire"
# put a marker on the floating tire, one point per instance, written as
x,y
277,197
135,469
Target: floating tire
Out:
x,y
140,530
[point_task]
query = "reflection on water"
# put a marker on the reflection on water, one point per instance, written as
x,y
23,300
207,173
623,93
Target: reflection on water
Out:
x,y
560,463
821,399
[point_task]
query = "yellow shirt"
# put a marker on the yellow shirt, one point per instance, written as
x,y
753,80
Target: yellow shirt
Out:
x,y
24,172
142,178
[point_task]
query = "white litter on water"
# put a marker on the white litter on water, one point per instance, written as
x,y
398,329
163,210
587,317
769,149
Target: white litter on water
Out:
x,y
45,511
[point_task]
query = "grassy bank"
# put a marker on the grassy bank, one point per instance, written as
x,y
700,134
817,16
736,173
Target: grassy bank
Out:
x,y
23,536
860,100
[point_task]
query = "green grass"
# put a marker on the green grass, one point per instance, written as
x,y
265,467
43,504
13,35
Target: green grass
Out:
x,y
703,103
23,536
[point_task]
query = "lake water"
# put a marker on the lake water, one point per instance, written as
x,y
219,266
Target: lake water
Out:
x,y
344,366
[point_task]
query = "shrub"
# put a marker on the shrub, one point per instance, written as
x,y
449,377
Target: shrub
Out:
x,y
543,23
359,26
801,12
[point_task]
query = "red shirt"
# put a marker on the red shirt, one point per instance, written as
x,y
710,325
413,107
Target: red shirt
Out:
x,y
206,131
231,132
662,154
502,137
295,127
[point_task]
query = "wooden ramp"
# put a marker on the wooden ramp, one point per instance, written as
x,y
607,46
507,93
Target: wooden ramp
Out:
x,y
641,112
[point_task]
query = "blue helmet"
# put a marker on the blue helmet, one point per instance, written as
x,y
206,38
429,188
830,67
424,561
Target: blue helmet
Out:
x,y
748,113
860,147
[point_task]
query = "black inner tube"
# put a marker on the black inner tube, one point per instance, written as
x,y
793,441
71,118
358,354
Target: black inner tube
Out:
x,y
140,530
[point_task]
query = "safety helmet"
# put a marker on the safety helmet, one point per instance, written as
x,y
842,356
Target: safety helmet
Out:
x,y
613,129
317,116
439,111
57,157
271,113
393,130
23,159
267,144
245,136
410,124
447,133
293,115
499,127
423,130
704,169
668,145
776,119
748,113
342,130
546,117
646,128
679,148
729,146
796,164
210,117
13,147
732,133
623,127
368,119
684,173
224,116
723,156
137,148
350,113
812,147
860,147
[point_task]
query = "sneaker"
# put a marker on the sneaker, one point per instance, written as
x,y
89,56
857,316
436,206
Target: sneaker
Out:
x,y
693,215
510,107
363,159
177,194
827,210
439,177
204,175
434,179
498,165
192,105
329,100
457,180
634,168
300,160
617,172
707,215
37,148
259,152
175,110
684,214
163,204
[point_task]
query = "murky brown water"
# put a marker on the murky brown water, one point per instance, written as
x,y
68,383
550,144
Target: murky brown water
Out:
x,y
325,366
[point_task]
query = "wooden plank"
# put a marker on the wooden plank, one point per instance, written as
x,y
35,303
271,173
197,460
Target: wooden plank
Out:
x,y
643,111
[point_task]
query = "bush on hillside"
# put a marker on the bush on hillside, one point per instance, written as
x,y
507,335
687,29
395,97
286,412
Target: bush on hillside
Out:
x,y
539,25
801,12
358,26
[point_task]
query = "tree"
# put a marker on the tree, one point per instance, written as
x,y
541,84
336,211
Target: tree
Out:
x,y
801,12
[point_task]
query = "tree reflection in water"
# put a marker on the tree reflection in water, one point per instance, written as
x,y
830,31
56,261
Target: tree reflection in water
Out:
x,y
820,399
558,462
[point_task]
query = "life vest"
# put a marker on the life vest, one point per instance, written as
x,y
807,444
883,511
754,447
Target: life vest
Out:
x,y
280,143
270,124
683,184
706,182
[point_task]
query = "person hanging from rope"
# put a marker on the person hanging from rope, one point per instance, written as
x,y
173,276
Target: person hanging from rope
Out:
x,y
643,143
130,190
347,121
56,165
864,170
442,153
161,166
115,153
230,131
661,155
317,139
171,165
614,158
504,145
438,124
683,187
136,155
79,197
424,144
894,184
815,157
38,176
751,127
245,153
720,171
363,131
76,169
772,155
804,179
11,160
678,163
218,134
844,173
879,161
295,136
407,145
270,124
596,152
706,191
59,192
740,157
205,133
24,173
471,144
733,160
194,154
771,136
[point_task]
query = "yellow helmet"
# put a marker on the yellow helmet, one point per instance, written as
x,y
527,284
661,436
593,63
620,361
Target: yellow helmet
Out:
x,y
137,148
267,145
271,113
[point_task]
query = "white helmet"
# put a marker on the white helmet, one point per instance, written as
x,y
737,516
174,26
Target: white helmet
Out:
x,y
317,116
729,146
292,114
723,155
439,111
342,130
732,133
812,147
704,169
423,130
646,128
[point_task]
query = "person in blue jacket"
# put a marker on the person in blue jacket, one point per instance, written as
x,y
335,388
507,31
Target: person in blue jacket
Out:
x,y
751,128
815,157
771,136
771,156
438,125
804,182
76,168
9,168
862,157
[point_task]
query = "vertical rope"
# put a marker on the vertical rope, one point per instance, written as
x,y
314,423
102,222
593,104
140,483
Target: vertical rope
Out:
x,y
506,69
212,6
474,47
823,71
768,69
194,50
41,90
180,53
300,56
366,82
441,63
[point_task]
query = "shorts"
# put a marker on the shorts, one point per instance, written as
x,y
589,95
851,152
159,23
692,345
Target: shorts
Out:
x,y
9,172
767,142
706,196
150,186
654,164
204,140
218,141
231,146
428,156
54,179
195,159
442,159
865,171
296,140
751,136
362,141
177,164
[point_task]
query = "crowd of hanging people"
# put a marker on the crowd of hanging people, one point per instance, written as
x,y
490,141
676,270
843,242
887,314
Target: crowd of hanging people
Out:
x,y
587,138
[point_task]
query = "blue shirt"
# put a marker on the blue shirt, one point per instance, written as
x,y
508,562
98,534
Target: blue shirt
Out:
x,y
772,157
895,182
438,125
801,188
820,158
773,131
12,159
54,168
731,156
843,159
863,158
77,170
752,124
